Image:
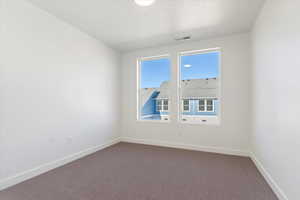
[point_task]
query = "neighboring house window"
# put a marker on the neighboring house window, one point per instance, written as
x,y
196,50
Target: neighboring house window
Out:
x,y
206,105
162,105
165,105
159,105
209,105
202,105
153,73
186,105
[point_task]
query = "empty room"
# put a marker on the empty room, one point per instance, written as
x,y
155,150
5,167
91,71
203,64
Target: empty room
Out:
x,y
149,100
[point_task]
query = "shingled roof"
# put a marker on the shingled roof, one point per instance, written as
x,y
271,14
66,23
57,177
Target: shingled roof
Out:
x,y
192,89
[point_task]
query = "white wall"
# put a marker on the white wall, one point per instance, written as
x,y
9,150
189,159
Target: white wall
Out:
x,y
1,66
233,133
59,90
276,93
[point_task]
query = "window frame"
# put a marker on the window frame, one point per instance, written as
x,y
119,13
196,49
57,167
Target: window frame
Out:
x,y
205,105
201,105
158,105
189,110
138,85
162,105
208,118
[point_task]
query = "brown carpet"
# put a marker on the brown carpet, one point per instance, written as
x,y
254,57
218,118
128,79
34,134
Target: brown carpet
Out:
x,y
141,172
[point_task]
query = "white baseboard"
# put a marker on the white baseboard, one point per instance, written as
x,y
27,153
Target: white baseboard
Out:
x,y
23,176
276,189
187,146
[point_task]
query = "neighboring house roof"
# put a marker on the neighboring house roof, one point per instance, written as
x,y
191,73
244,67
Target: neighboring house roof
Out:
x,y
145,94
164,92
191,89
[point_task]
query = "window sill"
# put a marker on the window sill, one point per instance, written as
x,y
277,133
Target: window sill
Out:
x,y
187,119
201,123
153,121
207,120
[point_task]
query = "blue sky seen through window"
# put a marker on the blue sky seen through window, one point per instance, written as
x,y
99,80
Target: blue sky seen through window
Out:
x,y
197,66
154,72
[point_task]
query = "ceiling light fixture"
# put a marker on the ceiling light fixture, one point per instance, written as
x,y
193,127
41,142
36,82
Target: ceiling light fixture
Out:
x,y
144,2
187,65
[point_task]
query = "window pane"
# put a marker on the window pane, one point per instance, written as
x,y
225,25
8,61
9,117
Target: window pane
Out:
x,y
166,108
165,102
209,108
154,88
159,108
186,102
202,108
186,105
202,102
186,108
199,84
209,102
158,102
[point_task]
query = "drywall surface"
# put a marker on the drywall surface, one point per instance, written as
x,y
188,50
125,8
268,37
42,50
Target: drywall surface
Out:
x,y
233,132
1,66
59,90
276,94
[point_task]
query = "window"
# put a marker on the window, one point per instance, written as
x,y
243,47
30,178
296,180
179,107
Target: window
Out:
x,y
162,105
159,105
202,105
153,88
165,105
209,105
186,105
206,105
199,86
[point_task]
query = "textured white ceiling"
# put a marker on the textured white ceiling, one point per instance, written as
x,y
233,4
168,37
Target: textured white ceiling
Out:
x,y
125,26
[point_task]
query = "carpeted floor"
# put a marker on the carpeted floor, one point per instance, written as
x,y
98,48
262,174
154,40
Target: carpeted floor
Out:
x,y
141,172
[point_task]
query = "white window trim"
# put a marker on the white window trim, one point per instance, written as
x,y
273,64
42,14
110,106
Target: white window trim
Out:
x,y
183,105
205,105
162,105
